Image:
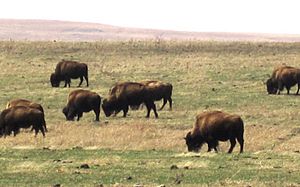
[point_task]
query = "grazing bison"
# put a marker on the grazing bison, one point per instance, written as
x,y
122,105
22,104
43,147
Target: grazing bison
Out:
x,y
67,70
126,94
16,117
283,76
80,101
215,126
160,90
24,102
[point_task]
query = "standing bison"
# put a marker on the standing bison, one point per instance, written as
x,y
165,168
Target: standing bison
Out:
x,y
215,126
160,90
24,102
126,94
283,76
67,70
14,118
80,101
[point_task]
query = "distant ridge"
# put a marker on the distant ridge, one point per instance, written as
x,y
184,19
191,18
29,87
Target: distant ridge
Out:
x,y
47,30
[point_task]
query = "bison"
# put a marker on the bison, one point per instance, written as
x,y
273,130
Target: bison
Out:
x,y
283,76
126,94
80,101
24,102
160,90
16,117
67,70
215,126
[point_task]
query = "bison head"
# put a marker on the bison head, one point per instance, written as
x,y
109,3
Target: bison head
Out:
x,y
68,114
193,143
54,79
107,108
271,86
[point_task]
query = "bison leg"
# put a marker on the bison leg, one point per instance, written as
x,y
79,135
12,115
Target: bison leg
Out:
x,y
151,105
15,132
154,109
148,111
67,82
116,112
36,131
79,115
288,90
298,90
241,142
87,80
81,80
97,113
170,103
45,127
164,103
42,130
125,110
212,145
280,87
232,144
209,149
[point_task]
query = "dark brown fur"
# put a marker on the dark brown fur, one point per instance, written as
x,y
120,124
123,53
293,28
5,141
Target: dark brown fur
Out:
x,y
126,94
160,90
16,117
67,70
80,101
24,102
215,126
283,77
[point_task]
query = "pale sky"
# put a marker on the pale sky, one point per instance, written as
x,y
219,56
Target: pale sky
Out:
x,y
260,16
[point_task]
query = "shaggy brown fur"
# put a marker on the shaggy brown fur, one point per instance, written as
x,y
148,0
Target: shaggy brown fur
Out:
x,y
126,94
16,117
283,76
24,102
211,127
67,70
80,101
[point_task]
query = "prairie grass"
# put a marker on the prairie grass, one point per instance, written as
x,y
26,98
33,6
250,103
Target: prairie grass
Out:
x,y
226,76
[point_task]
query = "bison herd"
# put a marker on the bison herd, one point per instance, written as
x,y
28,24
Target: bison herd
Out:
x,y
210,127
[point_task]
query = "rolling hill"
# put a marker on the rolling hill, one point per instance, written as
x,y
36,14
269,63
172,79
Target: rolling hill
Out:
x,y
46,30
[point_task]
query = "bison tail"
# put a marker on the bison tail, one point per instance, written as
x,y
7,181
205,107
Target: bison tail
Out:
x,y
170,89
241,127
86,75
86,70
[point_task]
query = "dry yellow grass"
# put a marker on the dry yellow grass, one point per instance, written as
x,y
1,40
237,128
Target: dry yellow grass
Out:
x,y
143,135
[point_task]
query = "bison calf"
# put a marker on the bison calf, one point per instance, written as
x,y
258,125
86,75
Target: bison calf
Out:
x,y
16,117
215,126
67,70
80,101
283,76
24,102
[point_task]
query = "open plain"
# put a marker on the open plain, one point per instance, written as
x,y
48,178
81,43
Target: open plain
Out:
x,y
206,75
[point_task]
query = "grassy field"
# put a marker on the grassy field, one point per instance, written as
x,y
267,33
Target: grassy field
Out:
x,y
226,76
